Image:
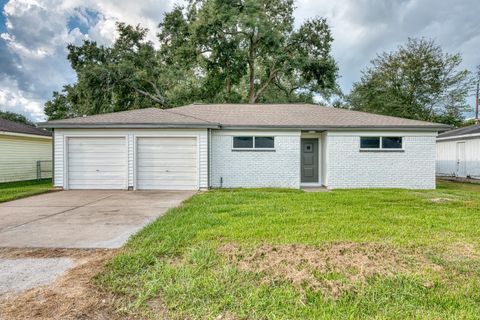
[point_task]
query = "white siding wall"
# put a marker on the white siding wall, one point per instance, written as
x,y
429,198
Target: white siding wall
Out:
x,y
414,168
131,134
19,155
447,157
250,169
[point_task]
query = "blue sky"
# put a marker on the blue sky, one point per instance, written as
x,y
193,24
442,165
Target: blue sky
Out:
x,y
34,34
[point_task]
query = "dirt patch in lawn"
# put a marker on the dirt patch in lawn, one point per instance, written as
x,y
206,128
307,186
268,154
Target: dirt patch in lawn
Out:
x,y
331,269
72,296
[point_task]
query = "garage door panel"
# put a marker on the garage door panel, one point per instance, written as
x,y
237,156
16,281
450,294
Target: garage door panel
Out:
x,y
100,185
97,155
169,156
104,168
166,141
89,142
167,176
169,149
96,148
180,169
97,163
167,163
76,162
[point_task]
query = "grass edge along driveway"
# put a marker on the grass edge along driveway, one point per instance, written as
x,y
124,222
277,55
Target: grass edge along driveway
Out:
x,y
20,189
287,254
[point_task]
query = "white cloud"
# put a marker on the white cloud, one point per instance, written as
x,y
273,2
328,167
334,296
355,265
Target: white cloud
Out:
x,y
33,48
12,98
363,28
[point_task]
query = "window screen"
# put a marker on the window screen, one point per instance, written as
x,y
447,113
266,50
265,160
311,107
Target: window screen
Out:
x,y
369,142
392,142
243,142
264,142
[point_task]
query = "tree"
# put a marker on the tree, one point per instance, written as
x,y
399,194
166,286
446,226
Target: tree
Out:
x,y
210,51
121,77
16,117
245,48
418,81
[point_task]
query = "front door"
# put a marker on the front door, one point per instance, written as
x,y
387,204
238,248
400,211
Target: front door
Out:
x,y
309,160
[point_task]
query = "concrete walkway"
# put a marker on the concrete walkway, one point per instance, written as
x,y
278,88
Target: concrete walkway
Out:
x,y
82,219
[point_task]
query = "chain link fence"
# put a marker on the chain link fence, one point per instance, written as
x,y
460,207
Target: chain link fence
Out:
x,y
24,169
44,169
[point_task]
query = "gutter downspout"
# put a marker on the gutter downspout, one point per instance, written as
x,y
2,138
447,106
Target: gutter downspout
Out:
x,y
53,157
209,157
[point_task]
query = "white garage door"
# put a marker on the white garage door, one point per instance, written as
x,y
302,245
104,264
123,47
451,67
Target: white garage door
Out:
x,y
167,163
97,163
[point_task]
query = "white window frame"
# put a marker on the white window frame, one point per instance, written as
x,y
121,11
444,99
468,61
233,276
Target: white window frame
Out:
x,y
381,148
254,147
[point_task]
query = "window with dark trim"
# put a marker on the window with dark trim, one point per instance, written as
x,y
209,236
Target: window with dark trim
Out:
x,y
381,143
392,142
242,142
253,142
370,142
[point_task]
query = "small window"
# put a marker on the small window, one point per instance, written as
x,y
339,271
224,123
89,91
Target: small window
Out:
x,y
391,142
381,143
253,142
242,142
369,142
264,143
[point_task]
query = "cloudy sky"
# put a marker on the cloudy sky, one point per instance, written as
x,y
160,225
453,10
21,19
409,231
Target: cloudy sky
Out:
x,y
34,34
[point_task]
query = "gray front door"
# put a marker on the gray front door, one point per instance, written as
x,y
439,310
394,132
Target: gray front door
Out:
x,y
309,160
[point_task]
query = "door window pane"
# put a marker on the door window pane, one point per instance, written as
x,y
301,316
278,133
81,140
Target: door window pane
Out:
x,y
243,142
264,142
369,142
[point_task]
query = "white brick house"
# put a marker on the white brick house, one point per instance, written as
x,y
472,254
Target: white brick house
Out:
x,y
243,145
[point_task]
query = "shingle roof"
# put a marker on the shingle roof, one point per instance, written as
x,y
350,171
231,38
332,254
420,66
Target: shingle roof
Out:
x,y
15,127
461,132
148,116
301,116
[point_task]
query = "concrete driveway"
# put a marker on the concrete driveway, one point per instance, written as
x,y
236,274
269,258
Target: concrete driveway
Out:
x,y
82,219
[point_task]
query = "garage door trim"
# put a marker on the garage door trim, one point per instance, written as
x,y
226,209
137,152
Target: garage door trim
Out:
x,y
135,162
66,181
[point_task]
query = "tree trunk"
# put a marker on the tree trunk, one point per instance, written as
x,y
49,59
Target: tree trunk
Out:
x,y
251,71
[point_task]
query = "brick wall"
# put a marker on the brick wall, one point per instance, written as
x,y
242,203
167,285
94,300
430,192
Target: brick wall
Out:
x,y
249,169
348,167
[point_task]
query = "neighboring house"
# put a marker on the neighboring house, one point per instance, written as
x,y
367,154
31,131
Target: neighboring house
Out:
x,y
21,146
243,145
458,153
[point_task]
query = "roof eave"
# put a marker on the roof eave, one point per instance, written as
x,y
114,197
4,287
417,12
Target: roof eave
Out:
x,y
459,137
343,127
25,135
126,125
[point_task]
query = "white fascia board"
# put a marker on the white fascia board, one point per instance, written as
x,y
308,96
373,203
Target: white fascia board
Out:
x,y
464,136
25,135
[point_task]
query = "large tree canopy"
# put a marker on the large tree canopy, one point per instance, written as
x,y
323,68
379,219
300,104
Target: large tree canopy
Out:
x,y
209,51
418,81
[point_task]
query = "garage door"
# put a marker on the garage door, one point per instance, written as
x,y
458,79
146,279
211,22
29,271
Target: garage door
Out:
x,y
167,163
97,163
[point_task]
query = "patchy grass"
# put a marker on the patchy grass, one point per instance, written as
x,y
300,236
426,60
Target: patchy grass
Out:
x,y
287,254
20,189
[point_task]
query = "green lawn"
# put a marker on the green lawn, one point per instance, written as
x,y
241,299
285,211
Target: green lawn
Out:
x,y
287,254
21,189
